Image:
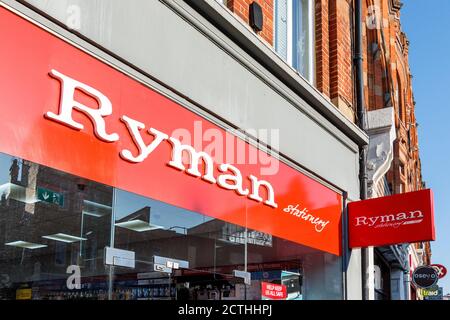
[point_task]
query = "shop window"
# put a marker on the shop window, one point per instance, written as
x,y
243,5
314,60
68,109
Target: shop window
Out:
x,y
213,250
178,254
294,34
60,253
44,232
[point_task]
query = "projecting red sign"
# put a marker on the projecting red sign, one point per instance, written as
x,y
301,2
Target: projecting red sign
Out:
x,y
273,291
400,218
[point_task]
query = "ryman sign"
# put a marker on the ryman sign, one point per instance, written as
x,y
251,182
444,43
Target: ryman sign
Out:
x,y
400,218
63,108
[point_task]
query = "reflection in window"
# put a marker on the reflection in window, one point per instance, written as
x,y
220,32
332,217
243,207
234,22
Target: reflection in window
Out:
x,y
41,237
152,228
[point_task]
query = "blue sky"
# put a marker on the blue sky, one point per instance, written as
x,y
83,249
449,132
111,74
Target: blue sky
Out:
x,y
427,25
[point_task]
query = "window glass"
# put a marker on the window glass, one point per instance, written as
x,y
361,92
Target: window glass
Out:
x,y
54,225
293,39
281,27
152,229
306,273
300,37
55,229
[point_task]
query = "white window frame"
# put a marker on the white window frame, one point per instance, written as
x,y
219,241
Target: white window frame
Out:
x,y
311,37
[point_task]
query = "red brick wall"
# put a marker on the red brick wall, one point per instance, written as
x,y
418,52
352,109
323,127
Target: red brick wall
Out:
x,y
341,71
333,46
241,9
322,47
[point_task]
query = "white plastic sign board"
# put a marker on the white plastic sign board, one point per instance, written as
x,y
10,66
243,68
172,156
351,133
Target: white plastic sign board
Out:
x,y
119,257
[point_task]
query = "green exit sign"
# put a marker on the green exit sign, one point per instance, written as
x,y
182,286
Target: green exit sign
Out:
x,y
50,196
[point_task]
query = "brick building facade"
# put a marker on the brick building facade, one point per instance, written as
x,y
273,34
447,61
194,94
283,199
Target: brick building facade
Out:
x,y
387,80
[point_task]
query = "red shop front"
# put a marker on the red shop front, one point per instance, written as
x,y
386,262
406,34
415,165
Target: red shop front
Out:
x,y
111,190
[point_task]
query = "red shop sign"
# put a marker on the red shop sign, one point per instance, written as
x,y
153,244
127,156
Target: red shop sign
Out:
x,y
273,291
63,108
399,218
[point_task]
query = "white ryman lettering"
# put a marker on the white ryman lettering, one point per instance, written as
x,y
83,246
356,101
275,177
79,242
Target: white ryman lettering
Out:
x,y
371,221
229,178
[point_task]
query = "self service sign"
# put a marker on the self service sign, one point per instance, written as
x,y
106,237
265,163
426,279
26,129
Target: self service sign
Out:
x,y
400,218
